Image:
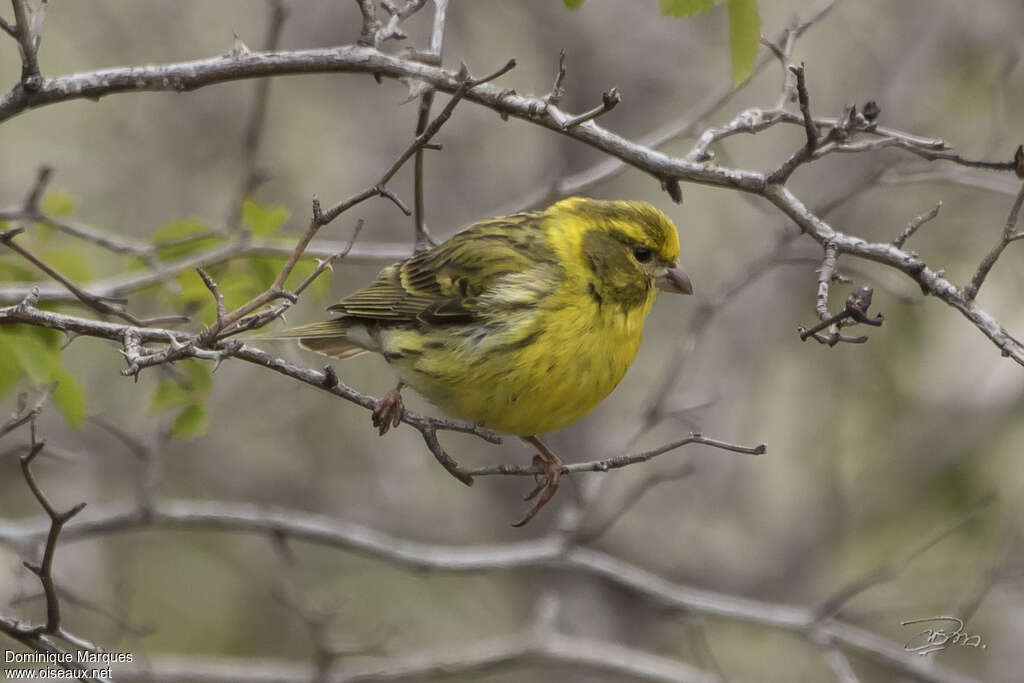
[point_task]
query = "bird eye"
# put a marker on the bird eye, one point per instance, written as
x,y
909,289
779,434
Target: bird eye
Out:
x,y
642,254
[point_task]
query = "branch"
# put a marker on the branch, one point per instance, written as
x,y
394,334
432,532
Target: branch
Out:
x,y
930,281
514,651
99,304
24,414
608,101
831,605
25,30
44,570
545,552
118,286
253,175
621,460
40,638
914,224
421,240
186,345
1009,235
230,323
854,312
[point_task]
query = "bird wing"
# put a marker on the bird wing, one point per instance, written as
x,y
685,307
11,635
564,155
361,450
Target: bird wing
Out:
x,y
445,284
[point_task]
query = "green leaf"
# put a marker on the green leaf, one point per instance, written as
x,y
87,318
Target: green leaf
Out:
x,y
52,339
264,268
183,237
32,355
239,286
69,397
263,221
199,376
169,394
10,369
319,288
57,204
744,37
17,270
192,422
70,263
684,8
573,4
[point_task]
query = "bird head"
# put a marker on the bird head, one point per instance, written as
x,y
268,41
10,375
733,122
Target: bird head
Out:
x,y
627,248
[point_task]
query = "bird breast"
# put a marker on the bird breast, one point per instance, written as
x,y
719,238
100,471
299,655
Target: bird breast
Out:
x,y
526,371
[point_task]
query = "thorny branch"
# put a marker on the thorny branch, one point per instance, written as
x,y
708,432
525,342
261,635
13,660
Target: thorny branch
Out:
x,y
824,136
190,75
550,552
235,321
30,211
41,638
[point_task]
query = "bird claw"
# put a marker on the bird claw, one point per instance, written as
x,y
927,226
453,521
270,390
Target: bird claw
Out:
x,y
547,483
539,479
389,410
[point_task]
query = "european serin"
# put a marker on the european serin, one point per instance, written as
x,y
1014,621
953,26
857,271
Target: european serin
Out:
x,y
522,323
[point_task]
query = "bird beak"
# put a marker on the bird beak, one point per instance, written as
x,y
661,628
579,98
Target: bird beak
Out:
x,y
674,280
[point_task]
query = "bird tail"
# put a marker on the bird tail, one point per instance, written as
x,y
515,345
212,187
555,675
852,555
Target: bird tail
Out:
x,y
328,338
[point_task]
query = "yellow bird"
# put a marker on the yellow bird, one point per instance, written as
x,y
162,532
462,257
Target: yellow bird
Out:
x,y
522,323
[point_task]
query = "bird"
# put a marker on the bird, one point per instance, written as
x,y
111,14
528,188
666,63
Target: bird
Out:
x,y
522,323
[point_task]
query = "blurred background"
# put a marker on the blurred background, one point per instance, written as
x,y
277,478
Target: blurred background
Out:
x,y
870,447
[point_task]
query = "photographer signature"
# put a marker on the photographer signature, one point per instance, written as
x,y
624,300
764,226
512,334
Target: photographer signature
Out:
x,y
935,639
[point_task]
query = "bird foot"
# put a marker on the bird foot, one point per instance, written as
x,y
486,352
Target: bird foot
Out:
x,y
547,480
389,410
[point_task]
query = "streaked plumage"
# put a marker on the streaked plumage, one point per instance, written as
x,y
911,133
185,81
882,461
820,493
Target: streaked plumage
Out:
x,y
523,323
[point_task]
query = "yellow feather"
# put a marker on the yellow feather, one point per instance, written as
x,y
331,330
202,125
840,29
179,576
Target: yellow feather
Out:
x,y
523,323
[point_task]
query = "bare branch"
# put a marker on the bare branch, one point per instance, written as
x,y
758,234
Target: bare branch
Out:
x,y
831,605
99,304
44,570
215,291
854,312
929,280
24,414
810,129
828,269
185,345
254,175
549,551
39,638
914,224
24,31
620,460
8,29
1009,235
840,666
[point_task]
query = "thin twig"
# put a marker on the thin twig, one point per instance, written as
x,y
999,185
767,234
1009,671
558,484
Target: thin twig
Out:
x,y
24,30
548,552
608,102
44,570
831,605
1009,235
618,461
914,224
24,414
215,291
101,305
253,175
